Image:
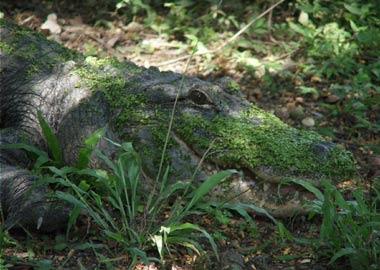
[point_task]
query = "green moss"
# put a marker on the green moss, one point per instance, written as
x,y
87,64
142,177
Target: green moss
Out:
x,y
268,143
5,48
233,86
122,67
33,48
96,74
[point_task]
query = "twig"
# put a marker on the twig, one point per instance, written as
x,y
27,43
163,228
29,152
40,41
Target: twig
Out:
x,y
231,39
270,23
270,20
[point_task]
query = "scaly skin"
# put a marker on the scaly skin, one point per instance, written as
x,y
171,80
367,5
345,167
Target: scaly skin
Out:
x,y
77,96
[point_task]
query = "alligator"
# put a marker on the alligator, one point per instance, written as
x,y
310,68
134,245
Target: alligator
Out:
x,y
212,123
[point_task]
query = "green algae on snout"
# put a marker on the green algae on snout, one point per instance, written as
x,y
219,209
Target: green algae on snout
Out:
x,y
259,139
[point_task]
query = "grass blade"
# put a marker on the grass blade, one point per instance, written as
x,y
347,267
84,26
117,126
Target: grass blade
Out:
x,y
189,226
242,207
341,253
310,187
26,147
89,146
51,139
208,185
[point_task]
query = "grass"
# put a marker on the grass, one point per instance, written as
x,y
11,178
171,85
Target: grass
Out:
x,y
5,241
350,229
137,228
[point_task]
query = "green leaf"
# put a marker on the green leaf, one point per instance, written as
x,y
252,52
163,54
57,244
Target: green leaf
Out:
x,y
304,31
97,173
304,90
41,160
84,185
62,172
74,214
51,139
329,215
70,199
114,203
23,146
310,187
165,179
242,207
208,185
283,232
186,242
362,207
89,145
129,164
43,265
189,226
172,189
354,9
60,246
117,236
341,202
239,209
354,27
106,160
341,253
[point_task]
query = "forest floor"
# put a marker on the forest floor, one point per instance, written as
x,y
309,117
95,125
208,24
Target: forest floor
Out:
x,y
261,246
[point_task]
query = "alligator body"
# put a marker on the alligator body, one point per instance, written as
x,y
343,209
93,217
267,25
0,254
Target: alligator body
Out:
x,y
79,95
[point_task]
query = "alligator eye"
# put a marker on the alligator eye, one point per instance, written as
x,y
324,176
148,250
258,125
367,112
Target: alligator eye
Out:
x,y
199,97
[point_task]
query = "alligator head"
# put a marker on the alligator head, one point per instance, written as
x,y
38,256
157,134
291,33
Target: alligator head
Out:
x,y
213,122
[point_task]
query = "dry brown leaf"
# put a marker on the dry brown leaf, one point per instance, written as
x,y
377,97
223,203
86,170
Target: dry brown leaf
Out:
x,y
111,42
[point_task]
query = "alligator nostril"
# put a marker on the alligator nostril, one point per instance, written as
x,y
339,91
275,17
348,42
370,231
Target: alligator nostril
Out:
x,y
322,149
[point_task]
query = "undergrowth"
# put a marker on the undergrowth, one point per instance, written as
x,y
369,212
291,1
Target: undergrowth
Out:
x,y
350,229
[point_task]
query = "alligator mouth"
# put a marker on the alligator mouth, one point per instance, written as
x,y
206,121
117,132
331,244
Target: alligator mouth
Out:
x,y
209,166
263,186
